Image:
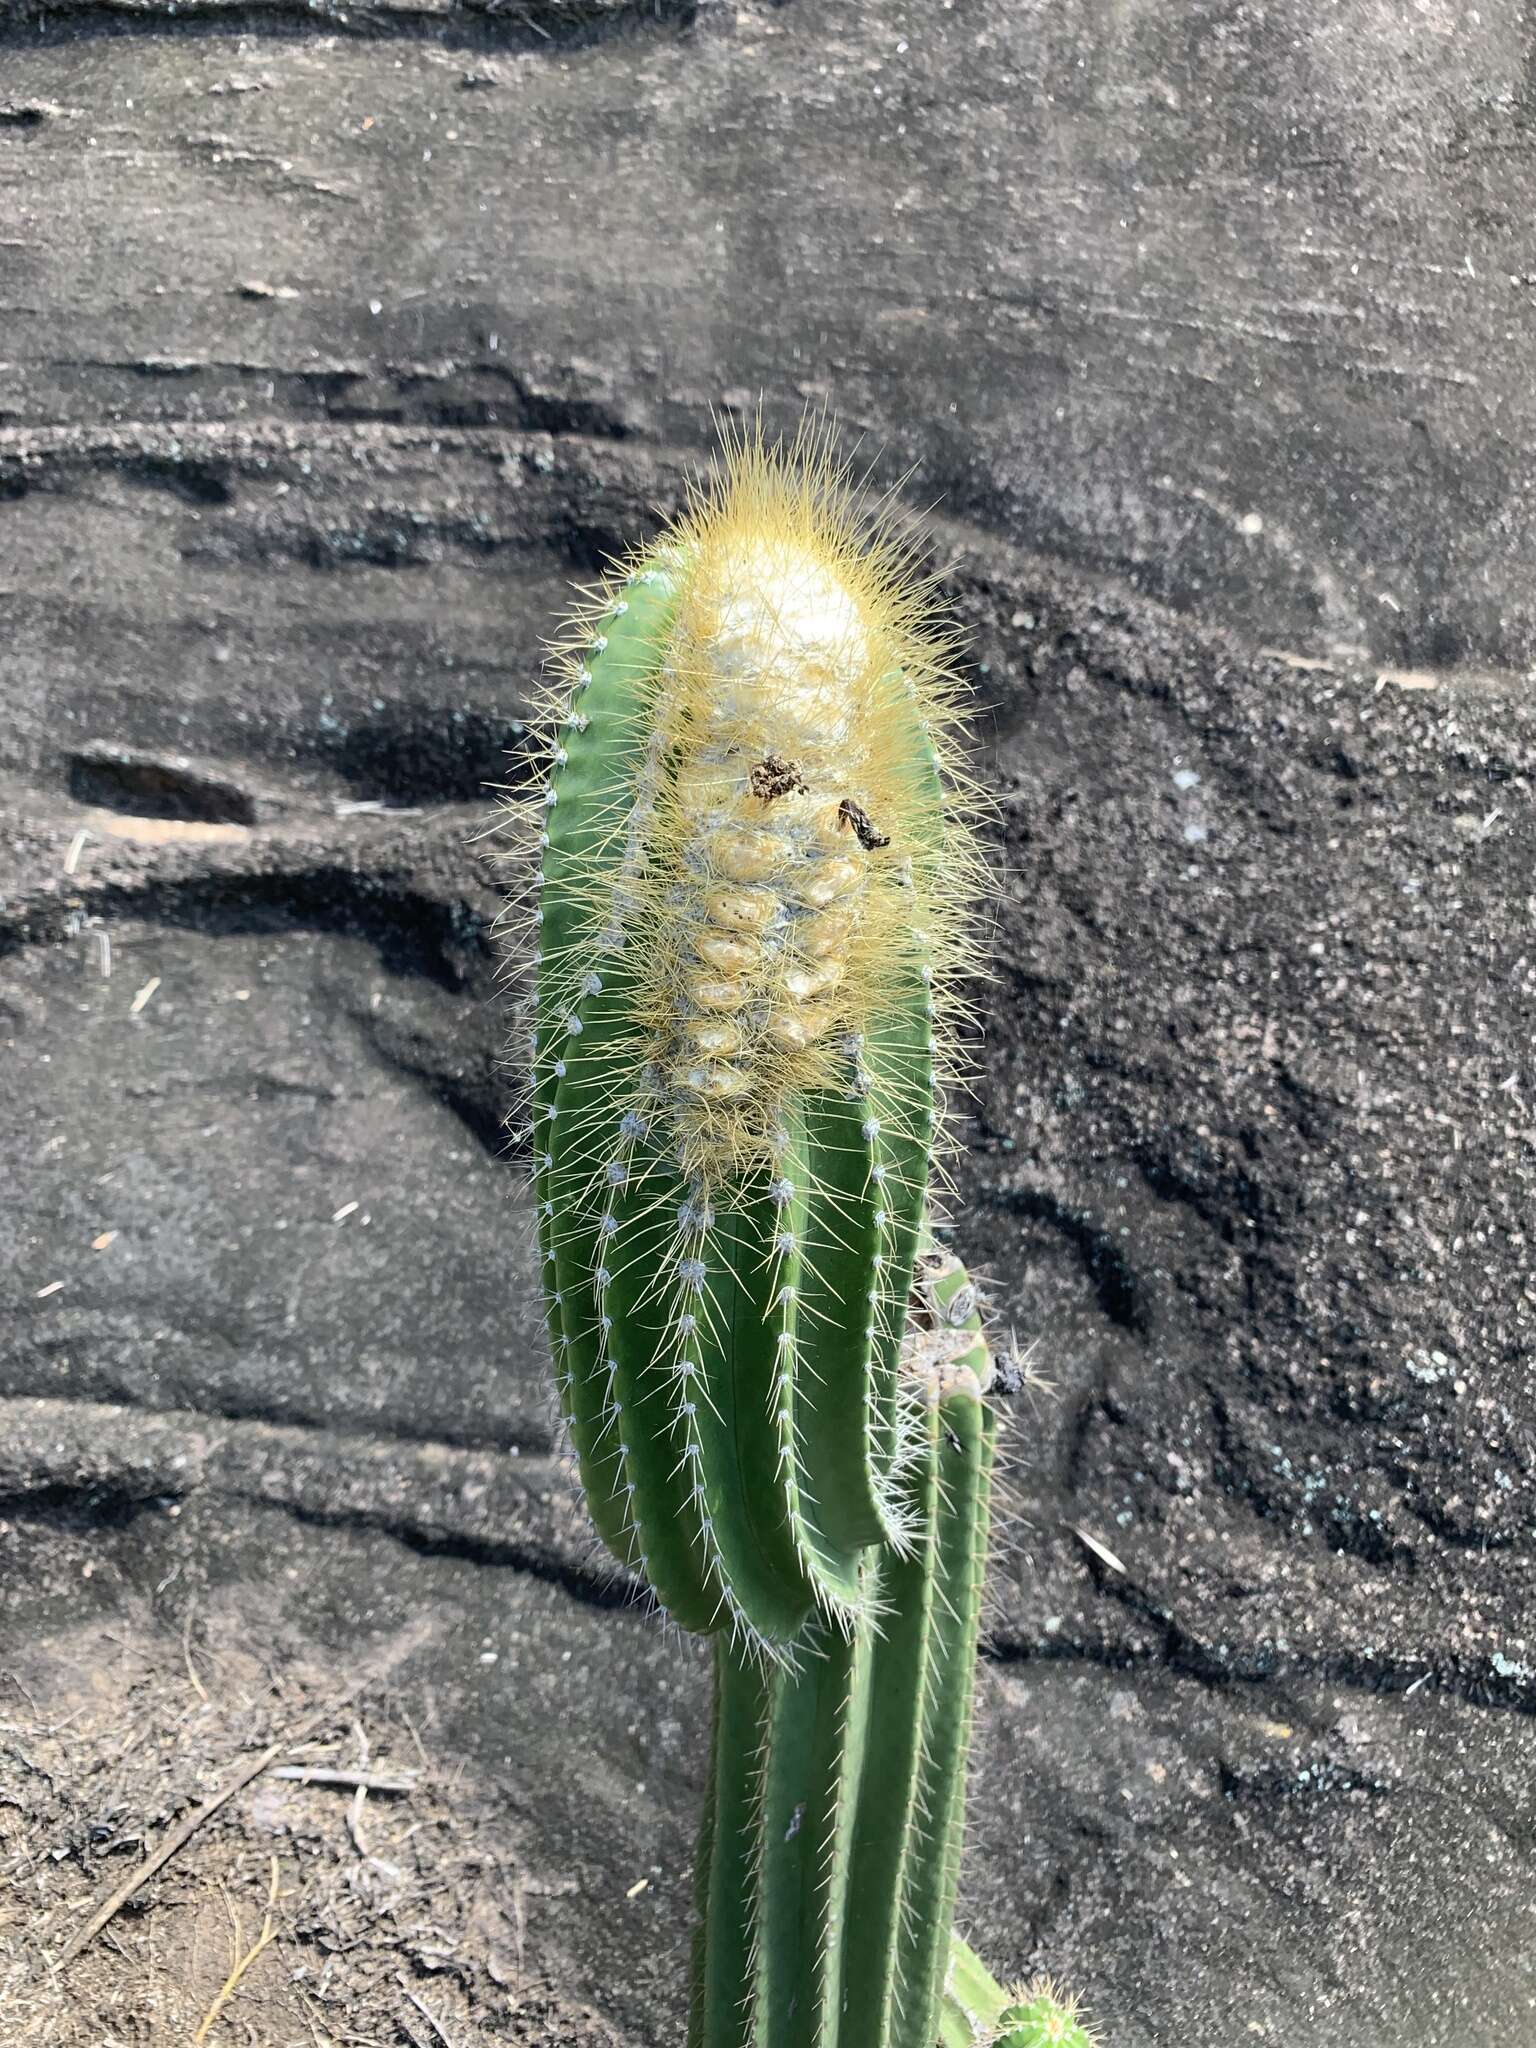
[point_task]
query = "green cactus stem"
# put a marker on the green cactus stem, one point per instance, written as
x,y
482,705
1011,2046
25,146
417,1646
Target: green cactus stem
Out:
x,y
831,1843
749,933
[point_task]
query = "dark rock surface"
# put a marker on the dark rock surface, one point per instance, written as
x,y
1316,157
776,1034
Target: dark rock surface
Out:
x,y
336,342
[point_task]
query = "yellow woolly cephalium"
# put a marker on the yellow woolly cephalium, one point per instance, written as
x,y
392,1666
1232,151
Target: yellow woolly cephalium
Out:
x,y
793,841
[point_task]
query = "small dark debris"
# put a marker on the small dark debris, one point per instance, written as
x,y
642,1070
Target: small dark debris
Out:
x,y
850,813
774,778
1007,1375
27,113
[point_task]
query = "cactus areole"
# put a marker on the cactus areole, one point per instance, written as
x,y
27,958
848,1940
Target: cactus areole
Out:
x,y
753,867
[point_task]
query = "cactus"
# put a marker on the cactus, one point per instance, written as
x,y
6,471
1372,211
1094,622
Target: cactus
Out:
x,y
750,923
1040,2016
978,2013
831,1841
752,869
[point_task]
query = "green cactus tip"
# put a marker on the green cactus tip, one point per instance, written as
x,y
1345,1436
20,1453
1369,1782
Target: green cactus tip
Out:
x,y
1043,2016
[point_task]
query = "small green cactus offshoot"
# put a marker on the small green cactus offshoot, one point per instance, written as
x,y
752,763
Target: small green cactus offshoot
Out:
x,y
978,2013
750,922
831,1842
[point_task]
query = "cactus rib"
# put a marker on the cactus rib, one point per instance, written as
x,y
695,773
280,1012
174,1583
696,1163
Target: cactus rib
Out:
x,y
588,790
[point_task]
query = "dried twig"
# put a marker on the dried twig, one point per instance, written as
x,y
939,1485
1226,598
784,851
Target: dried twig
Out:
x,y
174,1840
186,1657
355,1821
1091,1543
426,2012
242,1963
371,1781
186,1829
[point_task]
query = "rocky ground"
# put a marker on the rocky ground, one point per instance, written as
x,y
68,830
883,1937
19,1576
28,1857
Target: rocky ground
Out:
x,y
337,342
